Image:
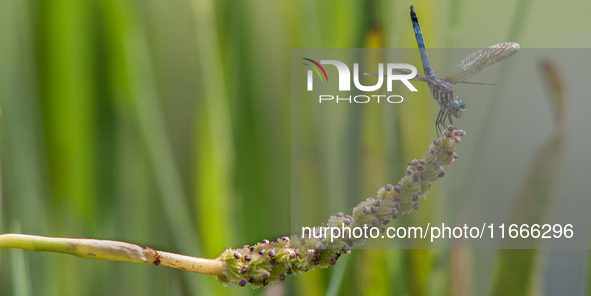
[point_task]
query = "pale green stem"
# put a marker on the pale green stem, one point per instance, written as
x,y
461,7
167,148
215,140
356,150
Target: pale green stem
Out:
x,y
270,262
111,251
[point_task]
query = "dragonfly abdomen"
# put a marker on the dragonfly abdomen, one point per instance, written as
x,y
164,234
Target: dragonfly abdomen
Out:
x,y
421,43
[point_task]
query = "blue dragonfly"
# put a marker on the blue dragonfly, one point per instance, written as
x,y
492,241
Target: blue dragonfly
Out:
x,y
441,89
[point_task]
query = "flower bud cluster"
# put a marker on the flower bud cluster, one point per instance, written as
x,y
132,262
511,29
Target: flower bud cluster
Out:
x,y
268,263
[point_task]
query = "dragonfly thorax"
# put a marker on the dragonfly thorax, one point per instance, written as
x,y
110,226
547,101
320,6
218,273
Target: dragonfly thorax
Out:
x,y
442,91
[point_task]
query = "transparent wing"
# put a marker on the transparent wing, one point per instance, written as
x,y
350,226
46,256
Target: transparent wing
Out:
x,y
419,77
481,59
477,83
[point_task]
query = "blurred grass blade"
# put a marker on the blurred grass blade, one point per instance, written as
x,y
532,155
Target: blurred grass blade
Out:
x,y
136,84
20,268
151,124
214,155
337,276
517,269
68,88
555,86
492,104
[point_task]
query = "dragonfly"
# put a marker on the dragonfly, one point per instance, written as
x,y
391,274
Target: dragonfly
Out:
x,y
442,89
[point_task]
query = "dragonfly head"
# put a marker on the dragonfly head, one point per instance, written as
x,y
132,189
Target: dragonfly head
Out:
x,y
457,108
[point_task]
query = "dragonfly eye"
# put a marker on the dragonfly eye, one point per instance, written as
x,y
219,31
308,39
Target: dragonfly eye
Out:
x,y
457,108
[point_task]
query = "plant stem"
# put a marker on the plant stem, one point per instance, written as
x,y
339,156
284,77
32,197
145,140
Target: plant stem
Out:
x,y
270,262
111,251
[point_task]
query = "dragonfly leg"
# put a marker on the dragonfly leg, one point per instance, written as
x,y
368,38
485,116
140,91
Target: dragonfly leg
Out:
x,y
437,122
441,122
450,121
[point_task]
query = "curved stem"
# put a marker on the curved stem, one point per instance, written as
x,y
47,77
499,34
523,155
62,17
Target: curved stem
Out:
x,y
111,251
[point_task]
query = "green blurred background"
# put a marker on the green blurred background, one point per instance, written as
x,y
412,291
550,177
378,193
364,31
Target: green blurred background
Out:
x,y
167,124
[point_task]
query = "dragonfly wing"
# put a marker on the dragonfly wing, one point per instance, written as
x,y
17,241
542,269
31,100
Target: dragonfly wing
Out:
x,y
477,83
481,59
419,77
